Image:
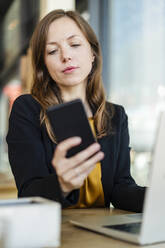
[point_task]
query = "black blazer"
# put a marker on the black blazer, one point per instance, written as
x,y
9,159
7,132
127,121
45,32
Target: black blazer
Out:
x,y
31,150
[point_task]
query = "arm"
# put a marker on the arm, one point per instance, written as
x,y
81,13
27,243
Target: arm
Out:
x,y
27,155
126,193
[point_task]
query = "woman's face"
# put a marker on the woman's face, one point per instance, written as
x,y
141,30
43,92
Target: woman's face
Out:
x,y
68,54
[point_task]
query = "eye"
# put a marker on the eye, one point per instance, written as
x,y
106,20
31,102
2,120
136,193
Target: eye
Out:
x,y
52,52
75,45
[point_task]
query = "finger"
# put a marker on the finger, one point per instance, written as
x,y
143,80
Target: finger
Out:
x,y
89,164
78,181
84,168
74,160
68,186
82,156
64,146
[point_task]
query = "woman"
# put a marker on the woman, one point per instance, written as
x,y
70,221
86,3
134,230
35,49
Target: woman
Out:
x,y
67,65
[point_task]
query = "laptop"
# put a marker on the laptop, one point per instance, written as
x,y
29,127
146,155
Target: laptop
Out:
x,y
146,228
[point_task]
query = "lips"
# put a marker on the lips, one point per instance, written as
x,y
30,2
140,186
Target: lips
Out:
x,y
69,69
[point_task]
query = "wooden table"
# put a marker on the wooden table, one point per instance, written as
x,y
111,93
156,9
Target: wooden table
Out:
x,y
74,237
7,187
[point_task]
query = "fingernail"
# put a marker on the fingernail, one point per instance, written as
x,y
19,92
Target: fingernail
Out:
x,y
101,155
77,139
96,145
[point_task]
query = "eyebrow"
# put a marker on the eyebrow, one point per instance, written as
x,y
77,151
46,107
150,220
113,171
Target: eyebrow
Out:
x,y
69,38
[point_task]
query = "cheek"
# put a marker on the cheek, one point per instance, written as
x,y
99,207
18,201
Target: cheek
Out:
x,y
88,57
52,67
88,61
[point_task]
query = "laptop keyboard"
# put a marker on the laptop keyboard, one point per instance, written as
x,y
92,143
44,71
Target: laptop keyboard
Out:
x,y
129,227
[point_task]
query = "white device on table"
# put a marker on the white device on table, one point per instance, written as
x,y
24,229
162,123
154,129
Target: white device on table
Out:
x,y
146,228
30,222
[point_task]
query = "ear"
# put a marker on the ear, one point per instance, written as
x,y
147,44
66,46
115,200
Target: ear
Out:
x,y
93,58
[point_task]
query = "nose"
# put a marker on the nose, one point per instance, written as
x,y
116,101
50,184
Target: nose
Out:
x,y
65,55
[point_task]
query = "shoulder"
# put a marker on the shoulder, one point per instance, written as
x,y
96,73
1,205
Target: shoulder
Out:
x,y
27,99
115,109
25,103
118,114
26,108
24,119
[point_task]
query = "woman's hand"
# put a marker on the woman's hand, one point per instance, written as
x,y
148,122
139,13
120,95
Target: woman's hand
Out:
x,y
72,171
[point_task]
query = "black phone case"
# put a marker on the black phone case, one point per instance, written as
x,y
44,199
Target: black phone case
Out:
x,y
69,119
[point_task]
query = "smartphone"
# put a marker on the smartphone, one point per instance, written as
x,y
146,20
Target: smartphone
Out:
x,y
69,119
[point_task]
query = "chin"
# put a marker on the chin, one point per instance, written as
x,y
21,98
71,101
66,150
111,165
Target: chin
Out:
x,y
72,83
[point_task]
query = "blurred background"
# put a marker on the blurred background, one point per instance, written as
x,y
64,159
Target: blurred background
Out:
x,y
132,37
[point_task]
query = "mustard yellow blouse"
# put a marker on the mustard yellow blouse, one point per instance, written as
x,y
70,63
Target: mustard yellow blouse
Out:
x,y
91,193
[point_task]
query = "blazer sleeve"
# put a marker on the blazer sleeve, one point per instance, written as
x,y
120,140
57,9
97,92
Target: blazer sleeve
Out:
x,y
27,154
126,193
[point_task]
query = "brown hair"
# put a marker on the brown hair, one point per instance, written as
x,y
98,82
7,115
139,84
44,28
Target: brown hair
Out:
x,y
47,92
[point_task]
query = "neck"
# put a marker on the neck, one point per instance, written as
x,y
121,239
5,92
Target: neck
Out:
x,y
69,97
74,93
